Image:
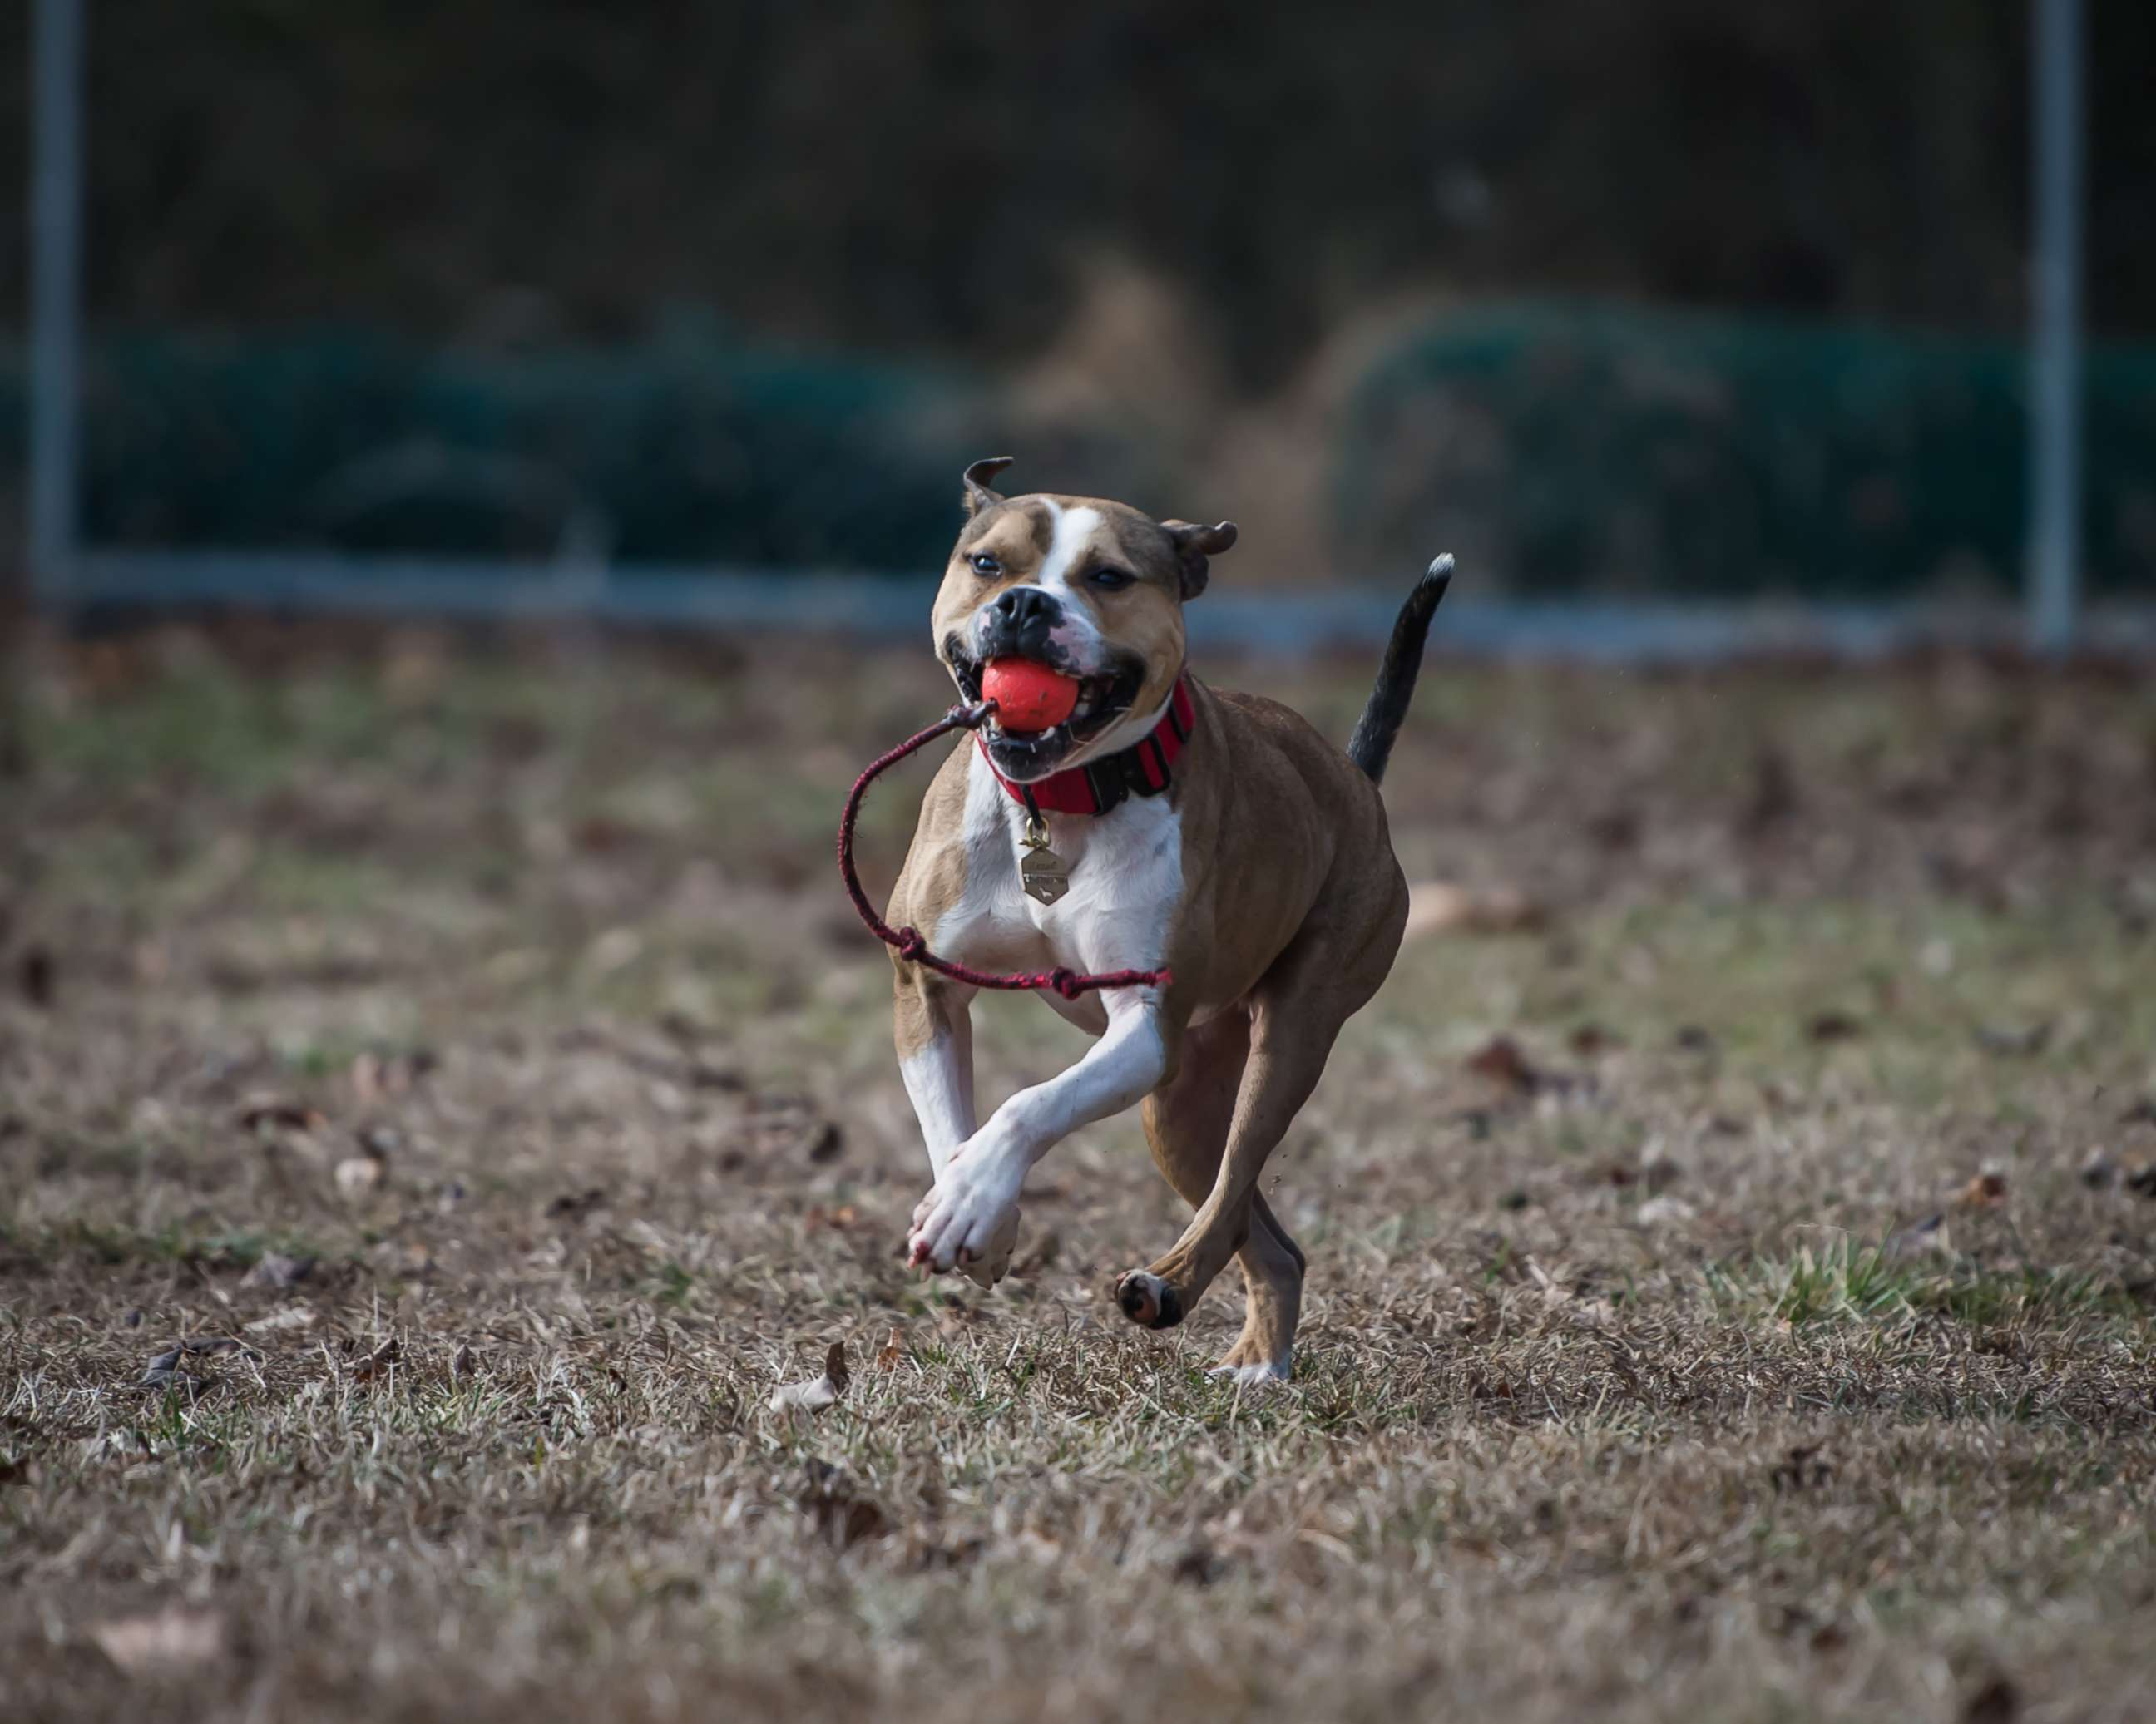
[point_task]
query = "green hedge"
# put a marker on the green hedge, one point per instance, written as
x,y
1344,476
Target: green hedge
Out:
x,y
688,448
1610,449
1560,449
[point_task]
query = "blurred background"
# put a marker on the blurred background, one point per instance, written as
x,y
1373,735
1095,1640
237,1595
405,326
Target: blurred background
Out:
x,y
651,310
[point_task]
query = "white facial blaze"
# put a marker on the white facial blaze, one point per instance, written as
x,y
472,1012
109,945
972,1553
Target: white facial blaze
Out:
x,y
1079,633
1066,544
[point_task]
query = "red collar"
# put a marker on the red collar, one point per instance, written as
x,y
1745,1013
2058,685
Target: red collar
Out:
x,y
1099,785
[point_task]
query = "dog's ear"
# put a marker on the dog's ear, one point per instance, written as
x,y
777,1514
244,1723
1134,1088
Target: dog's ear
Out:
x,y
1194,544
977,496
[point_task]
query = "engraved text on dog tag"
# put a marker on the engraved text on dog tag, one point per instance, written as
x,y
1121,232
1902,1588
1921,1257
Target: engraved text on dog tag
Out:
x,y
1040,870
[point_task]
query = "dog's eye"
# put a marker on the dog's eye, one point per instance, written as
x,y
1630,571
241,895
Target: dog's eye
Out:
x,y
1114,579
984,564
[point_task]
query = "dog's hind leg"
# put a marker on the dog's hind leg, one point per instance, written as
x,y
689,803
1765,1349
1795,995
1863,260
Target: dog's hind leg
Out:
x,y
1335,964
1285,1065
1187,1118
1272,1276
1187,1122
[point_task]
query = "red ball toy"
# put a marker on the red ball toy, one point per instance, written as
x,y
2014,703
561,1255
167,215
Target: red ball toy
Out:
x,y
1028,696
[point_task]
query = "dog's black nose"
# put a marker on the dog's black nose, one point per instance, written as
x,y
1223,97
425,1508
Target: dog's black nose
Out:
x,y
1019,608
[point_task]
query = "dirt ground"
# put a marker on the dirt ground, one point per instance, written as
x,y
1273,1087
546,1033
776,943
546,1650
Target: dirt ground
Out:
x,y
443,1093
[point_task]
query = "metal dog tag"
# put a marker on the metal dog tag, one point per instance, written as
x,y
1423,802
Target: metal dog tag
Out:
x,y
1040,870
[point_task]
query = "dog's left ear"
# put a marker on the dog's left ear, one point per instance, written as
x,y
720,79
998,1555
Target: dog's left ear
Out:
x,y
1194,544
977,495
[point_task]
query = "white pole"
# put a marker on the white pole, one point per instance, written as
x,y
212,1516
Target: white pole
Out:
x,y
55,272
2055,350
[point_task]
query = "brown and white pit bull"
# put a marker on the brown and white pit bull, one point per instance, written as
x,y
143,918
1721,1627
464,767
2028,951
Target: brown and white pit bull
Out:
x,y
1215,835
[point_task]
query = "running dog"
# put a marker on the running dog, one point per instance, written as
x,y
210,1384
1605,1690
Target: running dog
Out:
x,y
1162,824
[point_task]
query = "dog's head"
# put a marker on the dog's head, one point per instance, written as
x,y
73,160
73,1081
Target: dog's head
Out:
x,y
1092,588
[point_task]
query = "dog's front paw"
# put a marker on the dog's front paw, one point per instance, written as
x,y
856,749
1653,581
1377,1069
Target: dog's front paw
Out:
x,y
993,1263
969,1220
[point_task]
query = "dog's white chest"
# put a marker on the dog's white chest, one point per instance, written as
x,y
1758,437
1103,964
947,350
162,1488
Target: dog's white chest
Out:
x,y
1119,877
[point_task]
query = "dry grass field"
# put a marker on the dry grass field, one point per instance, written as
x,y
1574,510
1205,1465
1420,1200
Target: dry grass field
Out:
x,y
443,1093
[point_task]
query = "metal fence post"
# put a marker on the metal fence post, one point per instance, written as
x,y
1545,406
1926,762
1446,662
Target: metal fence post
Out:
x,y
2055,347
55,284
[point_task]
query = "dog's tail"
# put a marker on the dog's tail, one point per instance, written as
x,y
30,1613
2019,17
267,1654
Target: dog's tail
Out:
x,y
1372,745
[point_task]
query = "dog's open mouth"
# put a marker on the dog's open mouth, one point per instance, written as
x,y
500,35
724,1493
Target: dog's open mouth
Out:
x,y
1024,755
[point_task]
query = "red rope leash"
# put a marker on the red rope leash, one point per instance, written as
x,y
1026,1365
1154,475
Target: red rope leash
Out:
x,y
907,941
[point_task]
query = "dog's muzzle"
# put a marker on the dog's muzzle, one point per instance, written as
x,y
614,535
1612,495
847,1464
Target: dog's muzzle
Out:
x,y
1018,623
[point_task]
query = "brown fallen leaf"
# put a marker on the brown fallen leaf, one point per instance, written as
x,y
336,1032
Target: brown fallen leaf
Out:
x,y
366,1079
1439,907
1801,1468
892,1350
780,1127
1591,1038
1038,1545
37,974
815,1394
262,1116
1199,1566
1997,1701
1500,1060
1986,1191
1773,799
929,1552
1834,1026
839,1219
358,1175
167,1640
161,1370
376,1363
275,1271
839,1511
2013,1042
1927,1238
